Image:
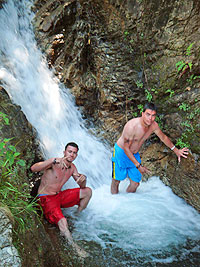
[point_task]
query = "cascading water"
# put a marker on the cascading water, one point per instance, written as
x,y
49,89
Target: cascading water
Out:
x,y
150,228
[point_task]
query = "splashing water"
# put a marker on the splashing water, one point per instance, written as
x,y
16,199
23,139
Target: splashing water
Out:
x,y
150,227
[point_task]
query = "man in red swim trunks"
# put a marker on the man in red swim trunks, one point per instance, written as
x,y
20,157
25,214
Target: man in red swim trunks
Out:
x,y
57,172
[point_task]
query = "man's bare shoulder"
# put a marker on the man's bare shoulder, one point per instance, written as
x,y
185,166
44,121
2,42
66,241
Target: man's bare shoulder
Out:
x,y
155,126
132,122
129,128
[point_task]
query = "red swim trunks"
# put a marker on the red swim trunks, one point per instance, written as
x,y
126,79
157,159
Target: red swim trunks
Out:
x,y
52,204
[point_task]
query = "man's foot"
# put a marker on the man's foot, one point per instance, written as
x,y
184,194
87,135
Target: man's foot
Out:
x,y
81,252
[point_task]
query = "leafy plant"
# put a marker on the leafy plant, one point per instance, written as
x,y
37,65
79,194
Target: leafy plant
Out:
x,y
14,196
5,118
182,66
148,95
188,50
140,107
170,91
139,84
154,91
126,34
188,126
192,78
159,121
184,107
181,143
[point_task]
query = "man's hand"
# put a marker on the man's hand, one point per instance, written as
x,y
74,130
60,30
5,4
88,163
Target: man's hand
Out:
x,y
80,179
61,162
181,153
143,170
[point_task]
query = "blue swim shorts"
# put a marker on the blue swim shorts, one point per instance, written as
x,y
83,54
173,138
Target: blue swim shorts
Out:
x,y
123,167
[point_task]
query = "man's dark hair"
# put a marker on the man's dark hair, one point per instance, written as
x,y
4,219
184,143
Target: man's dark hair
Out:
x,y
72,144
150,106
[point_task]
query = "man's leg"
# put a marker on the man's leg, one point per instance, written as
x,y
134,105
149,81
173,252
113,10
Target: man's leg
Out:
x,y
64,230
115,186
85,195
132,187
134,176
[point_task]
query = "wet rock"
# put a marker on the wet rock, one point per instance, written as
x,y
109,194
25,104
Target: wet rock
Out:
x,y
182,177
8,253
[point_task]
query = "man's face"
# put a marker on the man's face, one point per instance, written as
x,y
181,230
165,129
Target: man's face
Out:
x,y
70,153
148,116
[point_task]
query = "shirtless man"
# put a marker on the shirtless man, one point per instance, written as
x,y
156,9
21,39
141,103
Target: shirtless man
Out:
x,y
57,172
126,160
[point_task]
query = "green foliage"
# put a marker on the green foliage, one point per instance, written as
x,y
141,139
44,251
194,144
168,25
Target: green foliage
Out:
x,y
140,107
188,50
148,95
155,91
16,199
171,92
159,121
184,107
14,196
192,78
181,142
188,125
139,84
134,114
181,66
4,117
126,34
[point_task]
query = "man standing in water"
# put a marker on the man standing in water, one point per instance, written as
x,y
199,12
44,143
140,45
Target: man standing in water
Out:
x,y
57,172
126,160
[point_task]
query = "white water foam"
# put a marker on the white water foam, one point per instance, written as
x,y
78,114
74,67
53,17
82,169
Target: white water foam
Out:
x,y
153,222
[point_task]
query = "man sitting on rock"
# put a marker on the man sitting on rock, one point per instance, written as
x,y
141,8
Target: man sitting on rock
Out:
x,y
57,172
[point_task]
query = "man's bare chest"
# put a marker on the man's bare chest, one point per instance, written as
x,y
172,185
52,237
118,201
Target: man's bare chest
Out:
x,y
142,134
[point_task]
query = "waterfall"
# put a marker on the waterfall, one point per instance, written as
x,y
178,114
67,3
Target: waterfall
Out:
x,y
48,107
149,227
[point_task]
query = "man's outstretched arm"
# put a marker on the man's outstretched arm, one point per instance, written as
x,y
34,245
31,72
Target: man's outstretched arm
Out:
x,y
42,165
165,139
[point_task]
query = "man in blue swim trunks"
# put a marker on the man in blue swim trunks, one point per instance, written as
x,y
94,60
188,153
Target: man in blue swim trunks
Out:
x,y
126,160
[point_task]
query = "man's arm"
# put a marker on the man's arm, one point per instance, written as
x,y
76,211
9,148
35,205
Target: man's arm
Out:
x,y
165,139
43,165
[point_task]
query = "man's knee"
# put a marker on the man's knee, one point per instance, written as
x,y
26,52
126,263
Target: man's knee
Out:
x,y
86,192
132,187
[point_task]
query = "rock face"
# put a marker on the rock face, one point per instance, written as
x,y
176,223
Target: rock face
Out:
x,y
115,55
8,253
19,129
